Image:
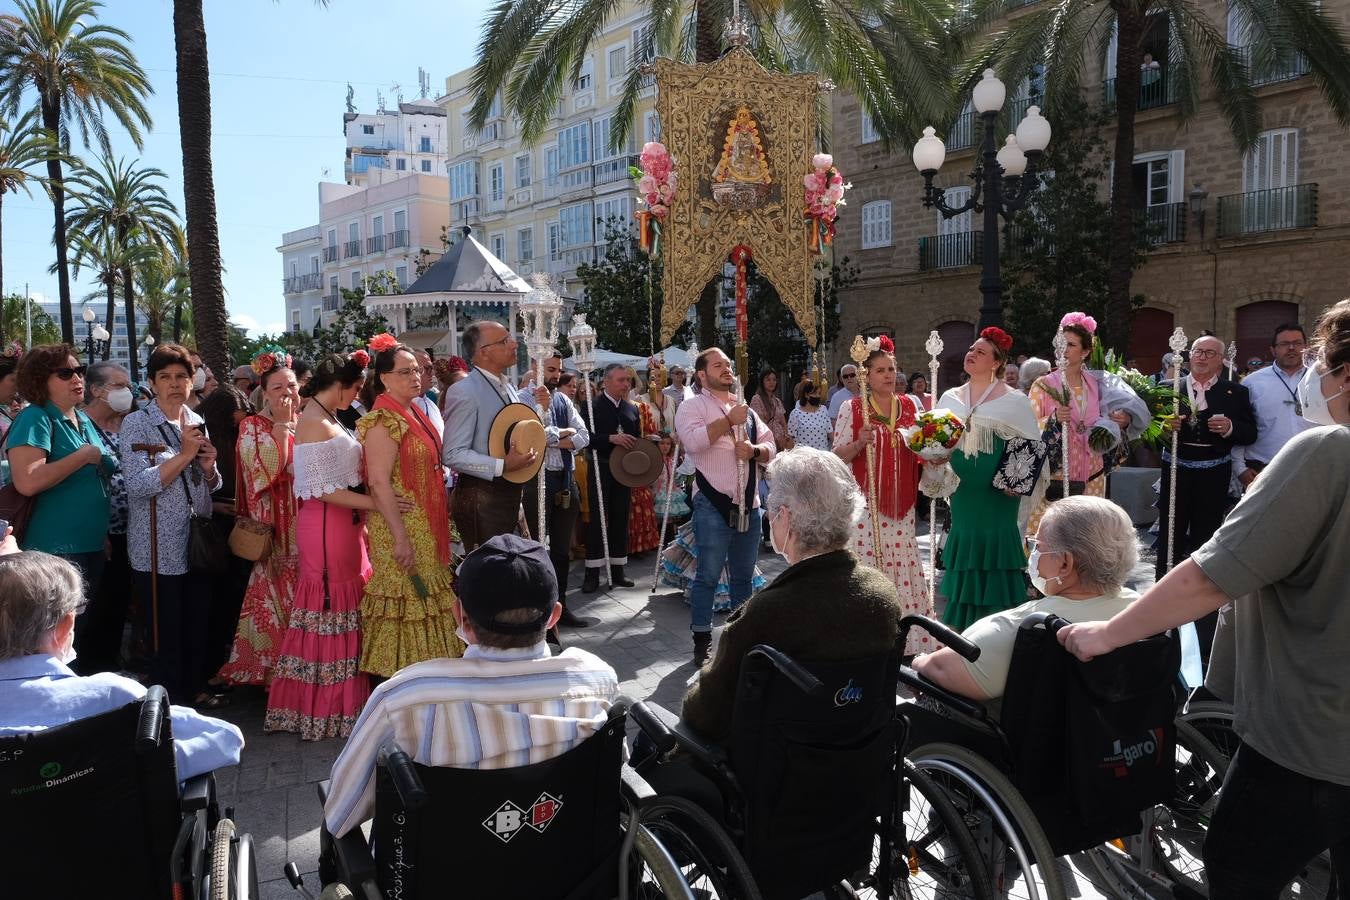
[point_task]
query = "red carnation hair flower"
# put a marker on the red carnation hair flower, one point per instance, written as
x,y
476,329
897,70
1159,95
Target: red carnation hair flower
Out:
x,y
361,358
998,337
458,364
887,345
382,342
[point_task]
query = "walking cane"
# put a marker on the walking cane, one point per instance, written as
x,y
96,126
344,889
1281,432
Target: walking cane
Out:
x,y
934,346
1178,343
151,451
1061,343
665,515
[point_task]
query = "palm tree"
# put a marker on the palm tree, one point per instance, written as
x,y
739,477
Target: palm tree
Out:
x,y
165,292
111,261
80,69
889,54
1057,35
22,146
18,312
128,205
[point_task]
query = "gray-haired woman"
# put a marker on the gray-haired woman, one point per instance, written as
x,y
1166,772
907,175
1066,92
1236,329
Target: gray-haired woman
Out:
x,y
108,390
827,605
1083,551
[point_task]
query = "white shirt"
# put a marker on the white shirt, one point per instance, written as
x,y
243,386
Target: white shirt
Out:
x,y
1277,417
837,402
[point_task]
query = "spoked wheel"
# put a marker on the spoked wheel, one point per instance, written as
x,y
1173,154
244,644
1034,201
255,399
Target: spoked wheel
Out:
x,y
711,865
1009,842
234,871
932,854
1213,719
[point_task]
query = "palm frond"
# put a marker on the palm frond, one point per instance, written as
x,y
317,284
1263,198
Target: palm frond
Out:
x,y
1200,41
1280,29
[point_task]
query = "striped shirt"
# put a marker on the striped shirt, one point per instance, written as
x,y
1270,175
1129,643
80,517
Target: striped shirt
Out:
x,y
716,459
492,709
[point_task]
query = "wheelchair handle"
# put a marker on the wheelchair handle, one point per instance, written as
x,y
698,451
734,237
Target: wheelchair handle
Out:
x,y
151,721
1048,620
804,681
652,726
944,634
411,792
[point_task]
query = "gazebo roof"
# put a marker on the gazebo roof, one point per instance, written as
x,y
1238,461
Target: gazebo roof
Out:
x,y
470,268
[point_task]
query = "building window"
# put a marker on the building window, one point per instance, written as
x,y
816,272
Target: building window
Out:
x,y
401,164
576,225
1273,162
424,145
464,180
332,237
643,49
314,263
367,129
551,165
401,276
615,208
869,128
554,240
295,320
496,182
377,227
651,127
400,220
426,165
876,224
525,244
353,231
317,315
523,171
361,163
574,146
294,268
497,244
356,280
583,80
616,66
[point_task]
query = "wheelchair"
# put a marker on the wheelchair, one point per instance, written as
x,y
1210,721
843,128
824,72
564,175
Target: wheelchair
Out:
x,y
1083,753
563,828
813,786
92,808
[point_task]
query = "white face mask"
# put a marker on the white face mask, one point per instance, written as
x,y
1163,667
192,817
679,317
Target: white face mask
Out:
x,y
199,379
1316,406
1034,570
120,399
773,541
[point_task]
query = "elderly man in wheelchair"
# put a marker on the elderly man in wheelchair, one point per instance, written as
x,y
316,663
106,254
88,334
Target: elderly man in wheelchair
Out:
x,y
96,763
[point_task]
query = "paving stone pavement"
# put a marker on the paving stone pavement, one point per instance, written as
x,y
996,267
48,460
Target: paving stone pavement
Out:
x,y
644,636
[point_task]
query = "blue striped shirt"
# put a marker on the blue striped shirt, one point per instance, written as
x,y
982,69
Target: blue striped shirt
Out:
x,y
492,709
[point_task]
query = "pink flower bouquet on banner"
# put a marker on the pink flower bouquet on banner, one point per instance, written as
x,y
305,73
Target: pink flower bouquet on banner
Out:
x,y
656,184
824,195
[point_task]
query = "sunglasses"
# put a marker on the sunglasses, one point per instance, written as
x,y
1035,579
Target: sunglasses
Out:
x,y
65,373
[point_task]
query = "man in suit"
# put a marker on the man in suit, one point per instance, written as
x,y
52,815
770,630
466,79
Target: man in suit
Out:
x,y
616,425
567,434
484,503
1216,416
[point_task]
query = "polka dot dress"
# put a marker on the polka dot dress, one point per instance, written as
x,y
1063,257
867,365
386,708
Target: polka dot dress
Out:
x,y
810,429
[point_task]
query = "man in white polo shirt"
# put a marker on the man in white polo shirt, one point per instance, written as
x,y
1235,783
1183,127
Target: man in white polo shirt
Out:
x,y
1279,417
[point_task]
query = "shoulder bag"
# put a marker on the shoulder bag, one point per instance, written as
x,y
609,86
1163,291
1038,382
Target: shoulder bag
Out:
x,y
249,538
206,551
15,508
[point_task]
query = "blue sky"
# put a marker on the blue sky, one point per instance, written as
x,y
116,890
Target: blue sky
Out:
x,y
279,72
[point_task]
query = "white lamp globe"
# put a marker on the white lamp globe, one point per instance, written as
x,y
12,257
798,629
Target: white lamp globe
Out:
x,y
88,314
1011,158
1033,134
928,152
989,93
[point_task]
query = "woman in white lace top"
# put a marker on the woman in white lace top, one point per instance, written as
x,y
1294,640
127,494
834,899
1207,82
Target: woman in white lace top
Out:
x,y
317,691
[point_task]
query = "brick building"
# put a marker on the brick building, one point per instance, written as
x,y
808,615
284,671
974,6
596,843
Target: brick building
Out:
x,y
1275,244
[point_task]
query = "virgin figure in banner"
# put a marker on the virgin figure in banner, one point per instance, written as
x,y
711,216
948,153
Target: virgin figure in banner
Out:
x,y
888,525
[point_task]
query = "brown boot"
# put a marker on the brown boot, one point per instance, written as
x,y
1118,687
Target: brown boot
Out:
x,y
702,648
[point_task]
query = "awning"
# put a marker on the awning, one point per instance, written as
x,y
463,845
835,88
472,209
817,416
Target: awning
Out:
x,y
423,339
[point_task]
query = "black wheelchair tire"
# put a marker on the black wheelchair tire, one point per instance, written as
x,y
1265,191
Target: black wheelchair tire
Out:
x,y
686,829
980,886
222,841
947,759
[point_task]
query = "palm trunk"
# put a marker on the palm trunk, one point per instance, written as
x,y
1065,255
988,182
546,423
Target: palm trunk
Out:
x,y
1131,20
129,303
707,48
2,266
51,120
210,318
178,322
110,279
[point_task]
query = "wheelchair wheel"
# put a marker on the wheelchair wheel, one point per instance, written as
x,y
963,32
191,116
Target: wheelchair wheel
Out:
x,y
1213,719
234,872
711,864
931,854
1011,845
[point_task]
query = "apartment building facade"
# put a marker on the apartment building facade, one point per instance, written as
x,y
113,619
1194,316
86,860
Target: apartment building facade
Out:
x,y
408,139
1247,241
119,348
543,207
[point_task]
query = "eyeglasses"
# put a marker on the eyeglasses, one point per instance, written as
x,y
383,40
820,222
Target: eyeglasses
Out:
x,y
850,375
1034,544
1291,345
495,343
1206,353
404,373
65,373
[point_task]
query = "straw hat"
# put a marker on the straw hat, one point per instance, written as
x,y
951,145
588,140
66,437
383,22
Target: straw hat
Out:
x,y
519,423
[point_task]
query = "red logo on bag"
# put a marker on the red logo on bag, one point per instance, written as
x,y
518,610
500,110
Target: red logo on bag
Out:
x,y
543,812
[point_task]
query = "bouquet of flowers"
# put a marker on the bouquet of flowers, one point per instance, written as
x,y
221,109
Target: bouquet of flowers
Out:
x,y
934,435
824,195
656,184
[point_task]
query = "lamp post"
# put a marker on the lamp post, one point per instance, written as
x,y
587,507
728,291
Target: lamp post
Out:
x,y
96,337
1197,196
149,345
582,338
541,310
1004,179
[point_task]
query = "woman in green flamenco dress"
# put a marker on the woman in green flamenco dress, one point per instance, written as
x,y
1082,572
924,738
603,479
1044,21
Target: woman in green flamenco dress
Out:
x,y
984,556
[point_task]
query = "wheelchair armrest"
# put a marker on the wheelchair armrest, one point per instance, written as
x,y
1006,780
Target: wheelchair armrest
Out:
x,y
154,706
411,792
633,786
952,639
972,708
790,669
667,731
323,788
197,792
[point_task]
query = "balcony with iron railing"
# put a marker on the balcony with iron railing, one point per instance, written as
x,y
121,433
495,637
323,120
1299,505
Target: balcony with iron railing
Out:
x,y
965,131
375,244
1166,223
330,254
332,302
395,239
568,259
966,248
1265,68
612,170
1276,209
310,281
350,249
496,202
1158,92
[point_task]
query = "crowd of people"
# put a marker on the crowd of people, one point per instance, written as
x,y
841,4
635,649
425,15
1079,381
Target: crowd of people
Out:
x,y
359,536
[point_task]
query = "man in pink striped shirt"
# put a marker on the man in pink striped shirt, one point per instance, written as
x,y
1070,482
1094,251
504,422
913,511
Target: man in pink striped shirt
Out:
x,y
728,444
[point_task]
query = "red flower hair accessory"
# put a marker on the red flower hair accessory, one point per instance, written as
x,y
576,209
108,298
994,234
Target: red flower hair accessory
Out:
x,y
458,364
998,337
360,357
269,358
887,345
382,342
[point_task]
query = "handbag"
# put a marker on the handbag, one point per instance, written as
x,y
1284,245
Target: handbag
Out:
x,y
249,538
15,508
206,550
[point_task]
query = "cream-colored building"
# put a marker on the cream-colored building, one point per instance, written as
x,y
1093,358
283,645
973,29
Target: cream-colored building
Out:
x,y
543,207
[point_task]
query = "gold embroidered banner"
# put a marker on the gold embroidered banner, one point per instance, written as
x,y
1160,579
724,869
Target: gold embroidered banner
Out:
x,y
742,138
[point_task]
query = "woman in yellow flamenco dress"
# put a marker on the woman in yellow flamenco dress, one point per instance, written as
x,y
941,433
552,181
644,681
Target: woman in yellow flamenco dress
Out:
x,y
407,613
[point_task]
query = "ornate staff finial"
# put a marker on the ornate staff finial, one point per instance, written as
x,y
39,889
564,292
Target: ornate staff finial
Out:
x,y
934,344
1178,340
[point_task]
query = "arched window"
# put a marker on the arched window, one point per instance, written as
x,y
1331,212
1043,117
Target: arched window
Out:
x,y
1148,338
876,224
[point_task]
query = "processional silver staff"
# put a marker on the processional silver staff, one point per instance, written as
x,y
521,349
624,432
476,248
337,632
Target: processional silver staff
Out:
x,y
541,309
582,338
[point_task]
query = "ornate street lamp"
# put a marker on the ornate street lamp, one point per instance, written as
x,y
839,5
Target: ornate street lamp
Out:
x,y
582,338
1004,179
96,337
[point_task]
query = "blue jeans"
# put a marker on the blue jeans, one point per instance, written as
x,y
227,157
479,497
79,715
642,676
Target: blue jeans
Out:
x,y
720,546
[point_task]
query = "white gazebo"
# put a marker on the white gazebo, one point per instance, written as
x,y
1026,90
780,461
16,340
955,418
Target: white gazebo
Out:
x,y
467,284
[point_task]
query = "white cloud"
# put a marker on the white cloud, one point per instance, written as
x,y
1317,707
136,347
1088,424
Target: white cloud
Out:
x,y
276,327
38,297
246,322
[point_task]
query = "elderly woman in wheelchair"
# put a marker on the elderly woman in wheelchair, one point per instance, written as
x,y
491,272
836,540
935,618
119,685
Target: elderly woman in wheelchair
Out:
x,y
103,757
